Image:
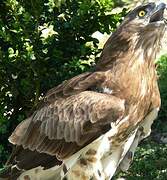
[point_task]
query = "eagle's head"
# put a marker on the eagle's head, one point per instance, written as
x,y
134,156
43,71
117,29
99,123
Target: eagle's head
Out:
x,y
146,27
147,17
138,37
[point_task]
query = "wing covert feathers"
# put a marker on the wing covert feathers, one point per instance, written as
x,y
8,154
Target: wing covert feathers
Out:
x,y
76,85
70,122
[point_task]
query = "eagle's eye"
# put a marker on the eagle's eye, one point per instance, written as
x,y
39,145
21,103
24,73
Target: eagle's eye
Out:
x,y
142,13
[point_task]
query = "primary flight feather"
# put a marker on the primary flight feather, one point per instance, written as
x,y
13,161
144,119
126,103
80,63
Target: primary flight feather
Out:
x,y
91,124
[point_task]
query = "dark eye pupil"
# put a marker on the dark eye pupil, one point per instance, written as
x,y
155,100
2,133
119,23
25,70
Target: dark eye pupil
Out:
x,y
142,13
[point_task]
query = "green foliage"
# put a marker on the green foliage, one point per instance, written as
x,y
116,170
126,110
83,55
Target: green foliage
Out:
x,y
160,125
162,71
149,163
42,44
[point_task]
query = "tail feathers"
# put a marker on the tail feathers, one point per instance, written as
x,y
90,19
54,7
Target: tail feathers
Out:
x,y
24,160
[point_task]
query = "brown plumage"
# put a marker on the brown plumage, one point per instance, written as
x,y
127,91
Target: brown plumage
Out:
x,y
122,91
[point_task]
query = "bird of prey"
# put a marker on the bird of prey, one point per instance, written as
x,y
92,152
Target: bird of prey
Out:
x,y
91,124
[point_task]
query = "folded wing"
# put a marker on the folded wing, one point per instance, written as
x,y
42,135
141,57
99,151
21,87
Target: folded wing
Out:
x,y
66,125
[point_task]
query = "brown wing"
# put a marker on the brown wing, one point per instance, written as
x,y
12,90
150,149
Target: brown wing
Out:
x,y
67,124
76,84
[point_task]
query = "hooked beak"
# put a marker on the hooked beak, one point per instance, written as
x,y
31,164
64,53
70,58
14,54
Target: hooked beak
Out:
x,y
158,14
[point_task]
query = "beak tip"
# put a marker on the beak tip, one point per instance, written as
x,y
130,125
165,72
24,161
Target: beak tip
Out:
x,y
161,5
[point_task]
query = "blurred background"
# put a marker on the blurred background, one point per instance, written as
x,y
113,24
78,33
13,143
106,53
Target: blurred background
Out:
x,y
45,42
